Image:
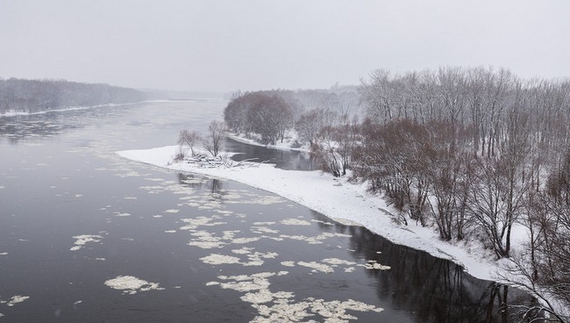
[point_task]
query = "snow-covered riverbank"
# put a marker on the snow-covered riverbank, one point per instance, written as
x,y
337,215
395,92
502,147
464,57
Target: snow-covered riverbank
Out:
x,y
335,198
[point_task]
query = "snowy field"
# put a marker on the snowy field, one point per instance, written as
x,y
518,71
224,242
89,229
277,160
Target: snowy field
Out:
x,y
341,201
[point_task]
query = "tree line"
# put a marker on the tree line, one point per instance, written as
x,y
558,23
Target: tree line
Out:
x,y
19,95
475,153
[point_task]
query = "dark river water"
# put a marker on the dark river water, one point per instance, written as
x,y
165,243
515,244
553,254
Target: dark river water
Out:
x,y
86,236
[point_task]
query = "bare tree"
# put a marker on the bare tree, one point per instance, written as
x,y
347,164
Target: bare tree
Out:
x,y
189,138
214,141
309,125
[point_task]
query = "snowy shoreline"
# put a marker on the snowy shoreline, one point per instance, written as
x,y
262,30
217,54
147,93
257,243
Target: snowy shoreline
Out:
x,y
341,201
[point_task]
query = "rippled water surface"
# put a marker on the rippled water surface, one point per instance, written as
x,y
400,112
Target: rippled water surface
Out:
x,y
86,236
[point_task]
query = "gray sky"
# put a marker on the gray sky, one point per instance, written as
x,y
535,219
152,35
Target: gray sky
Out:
x,y
228,45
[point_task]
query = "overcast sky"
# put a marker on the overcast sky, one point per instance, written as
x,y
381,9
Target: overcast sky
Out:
x,y
229,45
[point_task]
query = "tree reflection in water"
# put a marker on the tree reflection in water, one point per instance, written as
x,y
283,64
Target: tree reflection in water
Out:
x,y
213,185
433,289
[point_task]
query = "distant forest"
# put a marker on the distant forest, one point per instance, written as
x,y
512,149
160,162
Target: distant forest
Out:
x,y
18,95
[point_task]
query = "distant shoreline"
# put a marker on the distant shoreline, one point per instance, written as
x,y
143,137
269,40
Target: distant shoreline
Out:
x,y
78,108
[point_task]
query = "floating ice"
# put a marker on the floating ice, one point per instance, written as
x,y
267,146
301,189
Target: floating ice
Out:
x,y
172,211
317,266
17,299
81,240
288,263
372,264
281,307
217,259
119,214
194,223
131,285
262,230
295,222
337,261
245,240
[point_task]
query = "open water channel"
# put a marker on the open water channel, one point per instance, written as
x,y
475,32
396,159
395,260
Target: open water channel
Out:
x,y
86,236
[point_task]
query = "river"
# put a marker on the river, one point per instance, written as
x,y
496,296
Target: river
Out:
x,y
86,236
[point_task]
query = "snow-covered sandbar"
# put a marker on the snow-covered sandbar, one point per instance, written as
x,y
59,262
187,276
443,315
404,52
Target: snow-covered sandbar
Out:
x,y
341,201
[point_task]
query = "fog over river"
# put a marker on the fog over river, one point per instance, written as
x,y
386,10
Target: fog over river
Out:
x,y
86,236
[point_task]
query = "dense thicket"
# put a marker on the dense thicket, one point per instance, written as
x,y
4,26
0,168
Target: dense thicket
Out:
x,y
477,153
17,95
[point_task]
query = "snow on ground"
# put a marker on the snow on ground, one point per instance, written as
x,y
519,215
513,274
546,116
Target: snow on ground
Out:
x,y
341,201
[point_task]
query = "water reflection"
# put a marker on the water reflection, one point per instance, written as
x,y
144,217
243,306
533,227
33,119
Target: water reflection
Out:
x,y
431,289
213,185
288,160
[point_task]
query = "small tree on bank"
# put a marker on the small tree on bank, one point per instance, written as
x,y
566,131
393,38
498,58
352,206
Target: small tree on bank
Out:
x,y
213,143
190,138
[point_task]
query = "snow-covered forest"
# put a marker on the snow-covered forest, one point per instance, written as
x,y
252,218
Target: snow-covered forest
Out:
x,y
19,95
478,154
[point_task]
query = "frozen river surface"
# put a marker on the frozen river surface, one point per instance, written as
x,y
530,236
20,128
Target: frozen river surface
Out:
x,y
86,236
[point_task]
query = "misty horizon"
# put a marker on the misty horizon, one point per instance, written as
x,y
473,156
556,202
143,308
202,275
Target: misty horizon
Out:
x,y
227,46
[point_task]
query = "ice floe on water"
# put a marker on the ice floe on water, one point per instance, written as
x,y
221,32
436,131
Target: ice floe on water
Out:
x,y
194,223
3,253
81,240
316,266
121,214
131,285
315,239
253,258
281,306
15,300
295,222
328,265
217,259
